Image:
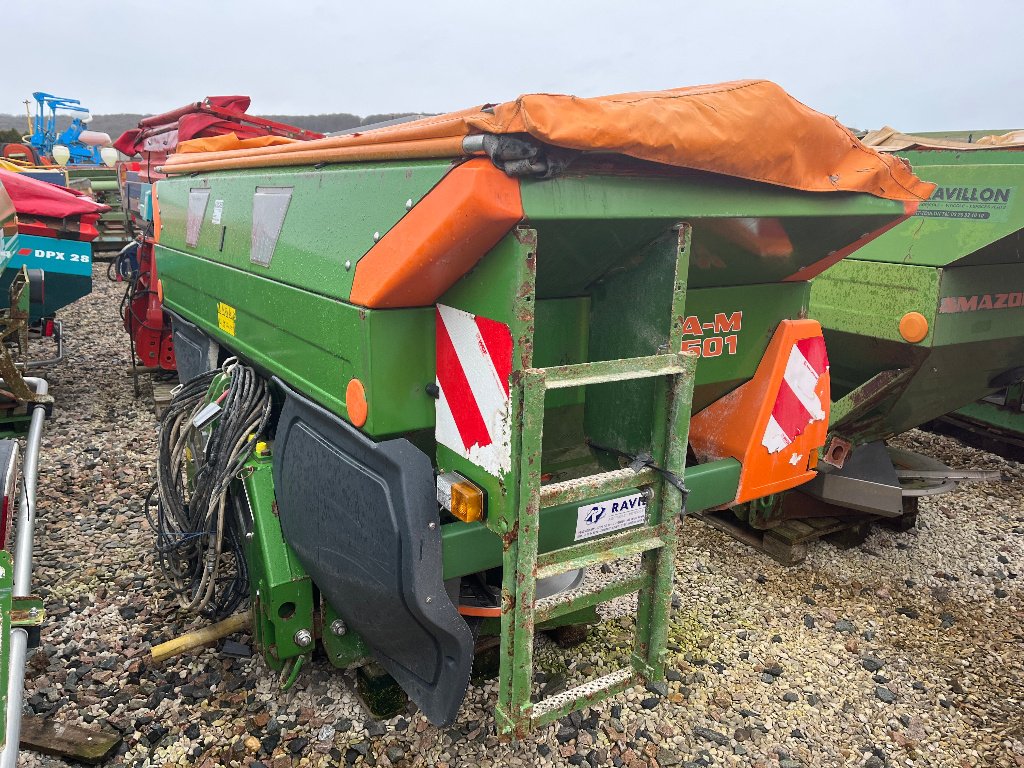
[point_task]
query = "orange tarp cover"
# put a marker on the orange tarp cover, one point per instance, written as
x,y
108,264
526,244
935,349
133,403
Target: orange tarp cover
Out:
x,y
231,141
888,139
750,129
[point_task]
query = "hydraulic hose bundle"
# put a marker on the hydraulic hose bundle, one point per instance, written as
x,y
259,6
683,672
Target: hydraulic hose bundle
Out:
x,y
206,436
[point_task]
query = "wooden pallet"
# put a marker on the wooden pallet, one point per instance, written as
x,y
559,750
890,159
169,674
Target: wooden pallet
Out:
x,y
92,745
787,542
161,387
162,396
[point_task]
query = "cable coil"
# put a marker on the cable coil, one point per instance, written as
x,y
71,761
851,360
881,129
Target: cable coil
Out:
x,y
199,532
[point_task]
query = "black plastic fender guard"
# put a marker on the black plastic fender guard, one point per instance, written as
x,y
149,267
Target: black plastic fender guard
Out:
x,y
363,520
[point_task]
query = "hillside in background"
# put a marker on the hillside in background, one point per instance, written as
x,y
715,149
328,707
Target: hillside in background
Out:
x,y
116,124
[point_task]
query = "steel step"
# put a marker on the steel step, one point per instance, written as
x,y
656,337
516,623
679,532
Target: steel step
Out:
x,y
605,371
568,491
560,605
552,708
615,546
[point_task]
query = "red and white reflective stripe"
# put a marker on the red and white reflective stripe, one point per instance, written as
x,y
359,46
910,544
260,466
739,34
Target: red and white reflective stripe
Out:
x,y
797,404
474,414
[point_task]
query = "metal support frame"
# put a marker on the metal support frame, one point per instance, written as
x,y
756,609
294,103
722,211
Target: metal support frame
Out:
x,y
655,541
23,575
47,362
14,325
281,592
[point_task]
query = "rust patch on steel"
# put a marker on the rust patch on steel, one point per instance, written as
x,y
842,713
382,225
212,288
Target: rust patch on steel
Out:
x,y
510,538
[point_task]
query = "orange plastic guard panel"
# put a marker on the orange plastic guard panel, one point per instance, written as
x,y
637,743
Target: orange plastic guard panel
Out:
x,y
440,239
776,422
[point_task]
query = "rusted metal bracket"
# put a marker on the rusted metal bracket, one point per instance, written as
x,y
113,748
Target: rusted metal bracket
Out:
x,y
869,394
27,611
14,332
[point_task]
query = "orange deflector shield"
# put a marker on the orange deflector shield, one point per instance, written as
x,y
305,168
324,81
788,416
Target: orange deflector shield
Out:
x,y
440,239
775,423
750,129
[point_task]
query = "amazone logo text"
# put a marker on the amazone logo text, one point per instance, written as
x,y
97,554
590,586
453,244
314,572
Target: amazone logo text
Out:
x,y
952,304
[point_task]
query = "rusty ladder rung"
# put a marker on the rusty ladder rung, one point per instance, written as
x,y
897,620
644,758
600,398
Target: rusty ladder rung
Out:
x,y
558,605
580,489
616,546
606,371
550,709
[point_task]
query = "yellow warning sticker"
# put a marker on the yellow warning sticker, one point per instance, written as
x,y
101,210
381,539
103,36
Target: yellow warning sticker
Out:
x,y
226,317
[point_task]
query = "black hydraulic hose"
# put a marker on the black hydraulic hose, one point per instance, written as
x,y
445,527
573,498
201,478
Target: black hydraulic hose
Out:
x,y
199,530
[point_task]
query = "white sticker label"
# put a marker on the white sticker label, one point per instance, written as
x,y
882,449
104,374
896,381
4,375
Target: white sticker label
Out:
x,y
218,211
612,515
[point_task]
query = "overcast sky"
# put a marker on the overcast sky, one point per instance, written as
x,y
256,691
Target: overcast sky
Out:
x,y
916,65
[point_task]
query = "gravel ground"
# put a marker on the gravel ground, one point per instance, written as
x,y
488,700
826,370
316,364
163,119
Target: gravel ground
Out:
x,y
905,651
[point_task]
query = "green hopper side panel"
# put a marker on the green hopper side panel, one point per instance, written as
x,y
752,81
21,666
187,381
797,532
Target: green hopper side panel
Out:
x,y
978,201
331,217
288,301
959,263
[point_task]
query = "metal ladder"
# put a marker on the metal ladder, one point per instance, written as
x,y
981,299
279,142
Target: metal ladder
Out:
x,y
655,541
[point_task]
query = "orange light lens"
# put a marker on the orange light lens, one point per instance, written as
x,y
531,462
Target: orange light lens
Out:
x,y
467,502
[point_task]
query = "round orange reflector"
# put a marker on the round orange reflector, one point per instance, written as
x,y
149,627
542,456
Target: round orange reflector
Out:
x,y
355,402
913,327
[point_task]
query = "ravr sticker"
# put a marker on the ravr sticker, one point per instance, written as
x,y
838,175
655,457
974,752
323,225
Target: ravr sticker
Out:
x,y
606,516
226,318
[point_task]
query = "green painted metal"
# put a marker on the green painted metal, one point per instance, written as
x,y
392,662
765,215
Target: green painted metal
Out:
x,y
293,322
101,182
26,612
501,288
882,294
1001,414
13,426
61,290
979,200
344,647
313,343
608,277
282,592
959,263
472,547
523,565
1005,413
743,233
332,217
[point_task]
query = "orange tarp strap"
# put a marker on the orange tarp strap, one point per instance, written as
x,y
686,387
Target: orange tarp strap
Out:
x,y
303,154
750,129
